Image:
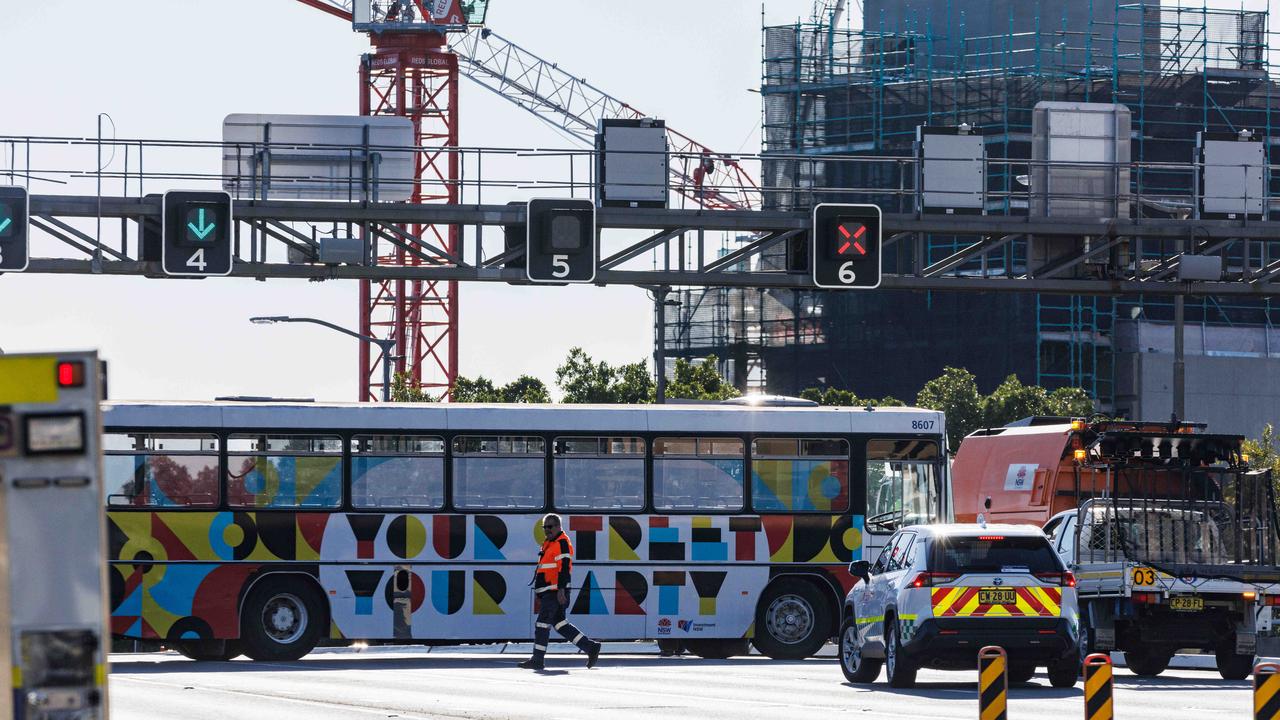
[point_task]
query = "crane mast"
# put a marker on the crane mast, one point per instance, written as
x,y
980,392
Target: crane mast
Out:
x,y
413,71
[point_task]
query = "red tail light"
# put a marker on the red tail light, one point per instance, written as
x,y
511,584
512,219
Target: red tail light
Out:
x,y
926,579
1064,579
1271,600
1146,598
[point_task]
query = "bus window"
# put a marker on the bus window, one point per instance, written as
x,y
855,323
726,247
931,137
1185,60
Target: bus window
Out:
x,y
599,473
904,483
698,474
397,471
284,471
800,475
146,470
498,472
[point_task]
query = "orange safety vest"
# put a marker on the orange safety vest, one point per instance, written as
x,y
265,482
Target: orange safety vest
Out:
x,y
555,562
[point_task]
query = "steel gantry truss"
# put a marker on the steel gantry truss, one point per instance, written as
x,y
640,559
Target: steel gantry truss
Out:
x,y
1251,268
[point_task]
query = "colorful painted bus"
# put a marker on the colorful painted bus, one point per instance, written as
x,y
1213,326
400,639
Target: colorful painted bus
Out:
x,y
268,528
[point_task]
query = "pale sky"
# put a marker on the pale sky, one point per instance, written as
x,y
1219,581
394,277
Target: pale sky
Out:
x,y
174,69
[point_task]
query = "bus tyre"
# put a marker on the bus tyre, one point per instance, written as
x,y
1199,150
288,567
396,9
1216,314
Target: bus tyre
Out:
x,y
793,620
1148,662
208,650
283,618
856,667
717,649
899,670
1232,666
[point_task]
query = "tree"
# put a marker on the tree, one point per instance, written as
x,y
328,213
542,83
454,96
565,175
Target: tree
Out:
x,y
584,380
699,381
955,393
403,389
633,384
1263,452
1070,402
525,389
477,390
1011,400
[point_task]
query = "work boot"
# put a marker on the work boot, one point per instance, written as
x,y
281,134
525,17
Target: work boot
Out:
x,y
533,664
593,656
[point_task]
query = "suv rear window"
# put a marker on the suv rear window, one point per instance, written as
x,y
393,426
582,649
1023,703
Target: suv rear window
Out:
x,y
994,553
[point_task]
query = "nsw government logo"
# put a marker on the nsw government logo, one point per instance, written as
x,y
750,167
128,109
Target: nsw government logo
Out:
x,y
664,626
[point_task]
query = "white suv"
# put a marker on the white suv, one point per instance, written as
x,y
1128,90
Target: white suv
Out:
x,y
939,593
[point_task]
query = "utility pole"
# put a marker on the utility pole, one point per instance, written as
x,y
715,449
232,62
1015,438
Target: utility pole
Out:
x,y
1179,361
660,342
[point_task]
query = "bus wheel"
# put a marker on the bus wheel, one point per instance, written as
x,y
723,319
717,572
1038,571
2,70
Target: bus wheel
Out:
x,y
793,620
717,649
208,650
283,618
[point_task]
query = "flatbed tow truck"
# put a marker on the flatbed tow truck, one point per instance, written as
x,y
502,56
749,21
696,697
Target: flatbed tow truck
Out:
x,y
1171,535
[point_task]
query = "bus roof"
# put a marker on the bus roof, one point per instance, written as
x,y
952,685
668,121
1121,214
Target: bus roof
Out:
x,y
519,416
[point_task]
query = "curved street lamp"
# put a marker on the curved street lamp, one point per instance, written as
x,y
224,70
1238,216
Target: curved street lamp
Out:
x,y
386,346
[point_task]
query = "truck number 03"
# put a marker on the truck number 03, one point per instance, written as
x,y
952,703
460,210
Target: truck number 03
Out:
x,y
921,424
1144,576
559,266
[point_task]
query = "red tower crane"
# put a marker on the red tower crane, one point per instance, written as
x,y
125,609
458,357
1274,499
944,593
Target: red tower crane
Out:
x,y
413,72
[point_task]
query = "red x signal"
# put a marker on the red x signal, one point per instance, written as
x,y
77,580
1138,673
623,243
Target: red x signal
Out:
x,y
851,239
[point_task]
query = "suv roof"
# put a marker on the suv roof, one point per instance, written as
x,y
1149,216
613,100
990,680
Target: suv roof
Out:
x,y
974,530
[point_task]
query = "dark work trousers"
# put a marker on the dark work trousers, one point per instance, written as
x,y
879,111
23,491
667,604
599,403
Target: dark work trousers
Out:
x,y
551,614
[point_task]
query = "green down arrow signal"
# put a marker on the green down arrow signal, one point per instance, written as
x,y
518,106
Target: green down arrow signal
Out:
x,y
203,230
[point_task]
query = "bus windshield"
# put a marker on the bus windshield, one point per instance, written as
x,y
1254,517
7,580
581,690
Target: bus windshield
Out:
x,y
904,484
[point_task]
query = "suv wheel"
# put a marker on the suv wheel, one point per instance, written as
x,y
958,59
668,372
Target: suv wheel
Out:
x,y
899,669
856,667
1020,672
1064,673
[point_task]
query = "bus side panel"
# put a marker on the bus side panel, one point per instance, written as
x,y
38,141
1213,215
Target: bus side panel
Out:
x,y
447,576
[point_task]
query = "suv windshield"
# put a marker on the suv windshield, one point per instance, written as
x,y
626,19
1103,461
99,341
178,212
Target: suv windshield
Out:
x,y
994,553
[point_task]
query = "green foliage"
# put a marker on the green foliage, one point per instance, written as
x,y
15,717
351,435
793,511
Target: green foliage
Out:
x,y
699,381
1263,452
846,398
955,393
524,389
1011,400
584,380
403,389
1070,402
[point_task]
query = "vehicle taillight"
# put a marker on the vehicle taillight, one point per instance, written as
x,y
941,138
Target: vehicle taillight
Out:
x,y
927,579
1064,579
1272,600
992,538
1146,598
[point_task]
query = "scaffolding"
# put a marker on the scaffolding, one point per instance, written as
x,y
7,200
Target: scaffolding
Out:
x,y
832,92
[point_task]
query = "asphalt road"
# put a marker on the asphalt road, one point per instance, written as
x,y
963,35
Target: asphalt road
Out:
x,y
458,683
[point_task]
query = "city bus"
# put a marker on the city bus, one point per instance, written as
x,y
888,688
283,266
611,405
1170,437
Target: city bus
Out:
x,y
265,528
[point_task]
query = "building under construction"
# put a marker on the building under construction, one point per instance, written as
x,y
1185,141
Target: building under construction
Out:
x,y
844,103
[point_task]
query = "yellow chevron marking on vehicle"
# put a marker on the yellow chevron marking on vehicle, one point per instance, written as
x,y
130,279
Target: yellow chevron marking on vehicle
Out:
x,y
964,602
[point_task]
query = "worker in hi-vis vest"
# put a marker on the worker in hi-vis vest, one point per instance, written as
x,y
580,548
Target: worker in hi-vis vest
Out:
x,y
551,587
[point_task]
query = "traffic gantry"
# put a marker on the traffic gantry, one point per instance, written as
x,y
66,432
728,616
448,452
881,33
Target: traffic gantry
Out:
x,y
196,233
845,244
15,208
560,244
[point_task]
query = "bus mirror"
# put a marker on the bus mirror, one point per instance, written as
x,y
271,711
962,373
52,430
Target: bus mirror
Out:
x,y
860,569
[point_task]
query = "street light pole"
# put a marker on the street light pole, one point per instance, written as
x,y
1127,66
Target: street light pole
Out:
x,y
386,346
